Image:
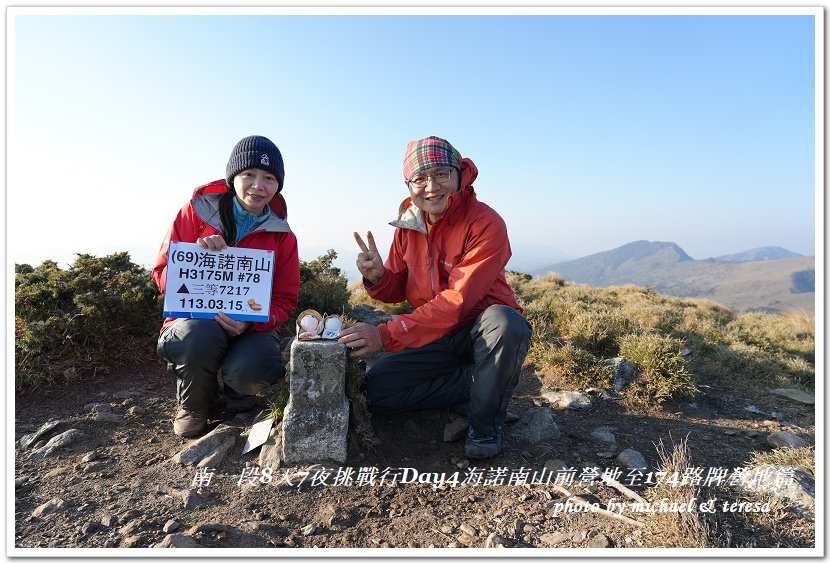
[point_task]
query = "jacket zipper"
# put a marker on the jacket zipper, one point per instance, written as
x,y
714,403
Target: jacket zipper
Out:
x,y
431,262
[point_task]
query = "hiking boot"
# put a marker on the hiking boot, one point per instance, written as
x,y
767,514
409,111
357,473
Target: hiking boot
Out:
x,y
189,423
480,447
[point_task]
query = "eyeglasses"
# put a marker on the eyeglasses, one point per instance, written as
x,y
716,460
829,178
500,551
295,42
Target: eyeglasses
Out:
x,y
442,176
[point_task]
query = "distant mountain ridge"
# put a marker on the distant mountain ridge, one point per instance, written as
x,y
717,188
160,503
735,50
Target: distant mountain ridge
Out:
x,y
767,283
762,253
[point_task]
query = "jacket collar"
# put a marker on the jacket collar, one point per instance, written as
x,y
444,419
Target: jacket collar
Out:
x,y
205,203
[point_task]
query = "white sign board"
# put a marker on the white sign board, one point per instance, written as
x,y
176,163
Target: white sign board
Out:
x,y
259,434
201,283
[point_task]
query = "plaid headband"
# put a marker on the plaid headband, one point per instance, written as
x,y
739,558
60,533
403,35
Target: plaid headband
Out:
x,y
429,153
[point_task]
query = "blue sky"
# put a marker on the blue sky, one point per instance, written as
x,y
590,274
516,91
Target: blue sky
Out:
x,y
589,131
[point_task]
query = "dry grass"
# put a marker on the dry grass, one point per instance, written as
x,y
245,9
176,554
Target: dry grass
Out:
x,y
358,295
783,525
676,529
576,326
787,457
360,419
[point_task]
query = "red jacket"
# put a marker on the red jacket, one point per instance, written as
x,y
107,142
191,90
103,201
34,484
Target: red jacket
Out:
x,y
200,218
451,275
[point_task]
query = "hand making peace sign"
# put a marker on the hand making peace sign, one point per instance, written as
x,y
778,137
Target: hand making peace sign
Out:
x,y
369,262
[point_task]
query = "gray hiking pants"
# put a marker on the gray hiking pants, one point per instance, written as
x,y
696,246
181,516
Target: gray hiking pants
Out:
x,y
474,370
201,355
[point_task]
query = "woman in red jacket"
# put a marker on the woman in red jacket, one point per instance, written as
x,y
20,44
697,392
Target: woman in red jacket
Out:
x,y
245,210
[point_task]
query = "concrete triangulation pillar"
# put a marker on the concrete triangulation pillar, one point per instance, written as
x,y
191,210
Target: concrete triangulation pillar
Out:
x,y
316,419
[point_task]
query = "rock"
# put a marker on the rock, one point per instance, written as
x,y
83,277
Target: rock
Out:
x,y
602,393
790,483
370,315
555,538
456,429
784,439
108,520
208,527
49,507
216,440
271,450
90,527
98,407
468,529
178,540
600,541
137,411
567,400
623,371
795,395
91,456
536,424
495,540
216,458
632,459
603,434
192,498
131,527
466,539
555,465
447,530
310,529
61,440
171,526
130,515
316,418
132,541
29,439
107,417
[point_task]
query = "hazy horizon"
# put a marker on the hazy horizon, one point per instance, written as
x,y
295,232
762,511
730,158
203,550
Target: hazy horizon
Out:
x,y
589,131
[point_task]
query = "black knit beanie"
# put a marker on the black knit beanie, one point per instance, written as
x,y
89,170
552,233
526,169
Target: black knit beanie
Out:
x,y
255,152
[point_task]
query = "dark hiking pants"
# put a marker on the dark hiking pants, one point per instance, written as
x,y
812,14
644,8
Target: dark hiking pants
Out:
x,y
201,355
477,367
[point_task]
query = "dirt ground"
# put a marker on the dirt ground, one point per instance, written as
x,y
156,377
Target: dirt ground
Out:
x,y
119,487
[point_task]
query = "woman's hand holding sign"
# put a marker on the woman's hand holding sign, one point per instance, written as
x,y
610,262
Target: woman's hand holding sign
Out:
x,y
369,262
231,326
212,242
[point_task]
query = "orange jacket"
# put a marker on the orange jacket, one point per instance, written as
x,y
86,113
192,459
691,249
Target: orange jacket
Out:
x,y
200,218
451,275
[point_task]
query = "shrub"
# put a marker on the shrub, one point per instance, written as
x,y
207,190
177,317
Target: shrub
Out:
x,y
569,364
359,295
663,368
323,288
98,313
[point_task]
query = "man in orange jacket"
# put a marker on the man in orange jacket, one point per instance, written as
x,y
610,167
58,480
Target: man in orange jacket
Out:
x,y
464,344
